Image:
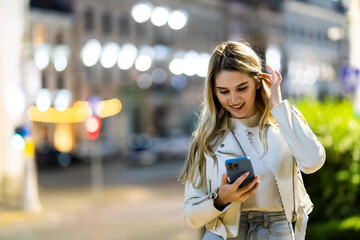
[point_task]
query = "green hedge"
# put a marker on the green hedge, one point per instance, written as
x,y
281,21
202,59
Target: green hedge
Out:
x,y
334,189
348,229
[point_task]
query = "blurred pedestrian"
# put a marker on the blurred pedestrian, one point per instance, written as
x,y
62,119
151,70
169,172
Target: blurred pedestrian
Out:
x,y
243,114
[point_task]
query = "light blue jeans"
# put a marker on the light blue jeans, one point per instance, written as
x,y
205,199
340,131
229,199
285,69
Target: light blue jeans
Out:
x,y
260,226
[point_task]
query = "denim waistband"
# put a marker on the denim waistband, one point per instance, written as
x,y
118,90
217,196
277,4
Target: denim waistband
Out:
x,y
262,217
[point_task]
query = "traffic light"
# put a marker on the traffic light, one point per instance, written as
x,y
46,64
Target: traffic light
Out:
x,y
92,126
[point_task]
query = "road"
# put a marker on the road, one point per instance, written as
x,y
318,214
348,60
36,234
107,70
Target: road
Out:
x,y
136,203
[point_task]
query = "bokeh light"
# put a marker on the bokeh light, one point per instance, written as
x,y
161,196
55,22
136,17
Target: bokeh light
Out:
x,y
273,57
191,63
62,99
141,12
108,108
159,75
42,56
177,19
63,138
144,81
91,52
203,62
109,55
127,56
18,142
160,16
60,56
179,82
14,99
161,52
60,64
92,124
143,63
176,66
43,100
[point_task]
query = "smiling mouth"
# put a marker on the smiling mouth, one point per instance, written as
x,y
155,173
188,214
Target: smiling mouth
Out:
x,y
237,107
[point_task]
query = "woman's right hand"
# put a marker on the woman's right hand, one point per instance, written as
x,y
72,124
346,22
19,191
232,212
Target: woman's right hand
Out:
x,y
232,193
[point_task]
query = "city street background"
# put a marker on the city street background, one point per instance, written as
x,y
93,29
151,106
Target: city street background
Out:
x,y
137,203
98,101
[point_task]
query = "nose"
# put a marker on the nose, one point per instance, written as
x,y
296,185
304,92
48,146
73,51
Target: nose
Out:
x,y
234,98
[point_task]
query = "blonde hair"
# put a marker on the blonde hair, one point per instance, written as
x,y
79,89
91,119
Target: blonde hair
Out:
x,y
228,56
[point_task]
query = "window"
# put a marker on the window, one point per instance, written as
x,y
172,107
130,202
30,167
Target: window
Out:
x,y
60,82
140,31
59,38
106,23
124,25
89,20
43,80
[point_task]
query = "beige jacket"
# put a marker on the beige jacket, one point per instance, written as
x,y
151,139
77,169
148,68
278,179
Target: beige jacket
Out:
x,y
293,138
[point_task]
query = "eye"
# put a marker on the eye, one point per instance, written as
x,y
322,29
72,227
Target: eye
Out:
x,y
241,89
224,92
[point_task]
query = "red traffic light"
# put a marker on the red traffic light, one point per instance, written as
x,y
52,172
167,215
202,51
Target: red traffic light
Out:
x,y
92,126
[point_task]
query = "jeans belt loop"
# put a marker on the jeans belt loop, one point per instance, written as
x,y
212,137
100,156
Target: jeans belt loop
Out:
x,y
266,220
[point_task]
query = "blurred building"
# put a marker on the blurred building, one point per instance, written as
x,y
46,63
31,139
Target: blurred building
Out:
x,y
155,100
305,40
316,47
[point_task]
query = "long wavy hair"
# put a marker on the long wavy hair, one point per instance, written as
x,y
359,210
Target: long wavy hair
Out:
x,y
228,56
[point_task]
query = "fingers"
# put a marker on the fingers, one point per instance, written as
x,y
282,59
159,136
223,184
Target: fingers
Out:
x,y
279,77
238,181
250,185
275,76
248,194
224,179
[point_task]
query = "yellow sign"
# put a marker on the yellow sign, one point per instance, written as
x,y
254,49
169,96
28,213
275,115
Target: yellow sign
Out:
x,y
29,150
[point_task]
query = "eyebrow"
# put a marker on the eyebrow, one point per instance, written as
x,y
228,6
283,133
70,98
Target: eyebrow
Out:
x,y
241,84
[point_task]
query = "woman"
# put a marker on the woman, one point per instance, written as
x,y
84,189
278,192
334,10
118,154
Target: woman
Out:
x,y
243,114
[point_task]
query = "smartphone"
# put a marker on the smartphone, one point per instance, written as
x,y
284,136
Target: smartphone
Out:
x,y
236,167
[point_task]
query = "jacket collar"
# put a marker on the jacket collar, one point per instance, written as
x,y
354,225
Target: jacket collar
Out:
x,y
229,145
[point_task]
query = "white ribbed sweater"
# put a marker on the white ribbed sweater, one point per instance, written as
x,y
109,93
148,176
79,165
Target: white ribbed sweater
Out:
x,y
267,197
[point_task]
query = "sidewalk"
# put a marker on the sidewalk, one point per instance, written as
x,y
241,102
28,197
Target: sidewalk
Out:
x,y
137,203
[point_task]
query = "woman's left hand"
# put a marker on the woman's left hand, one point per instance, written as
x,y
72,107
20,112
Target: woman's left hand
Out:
x,y
273,81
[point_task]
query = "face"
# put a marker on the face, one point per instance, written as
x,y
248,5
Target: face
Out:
x,y
236,92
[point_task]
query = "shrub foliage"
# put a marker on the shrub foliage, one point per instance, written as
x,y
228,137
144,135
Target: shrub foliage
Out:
x,y
334,189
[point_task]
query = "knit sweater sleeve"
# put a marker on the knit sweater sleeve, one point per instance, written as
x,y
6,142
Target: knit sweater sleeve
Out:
x,y
308,151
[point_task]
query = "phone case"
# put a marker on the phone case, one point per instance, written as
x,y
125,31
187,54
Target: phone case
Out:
x,y
236,167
